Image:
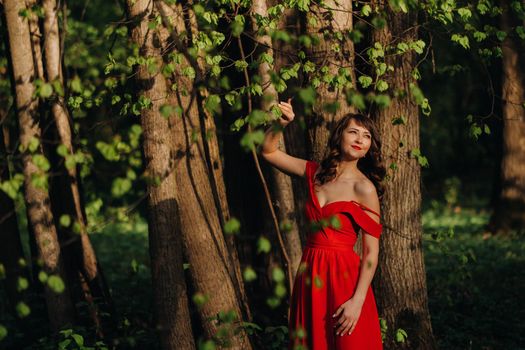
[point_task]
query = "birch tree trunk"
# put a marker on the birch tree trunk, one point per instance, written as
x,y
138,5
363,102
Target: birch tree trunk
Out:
x,y
400,282
282,184
59,305
165,239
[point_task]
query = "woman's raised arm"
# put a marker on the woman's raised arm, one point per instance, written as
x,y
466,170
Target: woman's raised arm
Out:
x,y
270,147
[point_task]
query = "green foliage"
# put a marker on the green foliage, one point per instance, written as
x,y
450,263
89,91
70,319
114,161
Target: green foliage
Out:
x,y
263,245
22,309
400,335
56,284
3,332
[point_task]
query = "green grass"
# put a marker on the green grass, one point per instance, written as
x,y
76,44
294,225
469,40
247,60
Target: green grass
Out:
x,y
475,281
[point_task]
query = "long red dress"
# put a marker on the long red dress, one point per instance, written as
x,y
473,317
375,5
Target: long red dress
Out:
x,y
328,277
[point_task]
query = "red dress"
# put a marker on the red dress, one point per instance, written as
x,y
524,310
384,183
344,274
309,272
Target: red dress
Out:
x,y
328,277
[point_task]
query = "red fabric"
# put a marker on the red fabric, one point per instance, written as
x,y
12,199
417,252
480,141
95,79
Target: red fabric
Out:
x,y
328,277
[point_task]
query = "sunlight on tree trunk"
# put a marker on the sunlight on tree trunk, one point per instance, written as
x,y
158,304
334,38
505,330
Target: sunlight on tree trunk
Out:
x,y
400,282
165,236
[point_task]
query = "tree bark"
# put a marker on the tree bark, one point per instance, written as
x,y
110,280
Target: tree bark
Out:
x,y
69,201
165,239
509,214
59,305
200,206
400,282
325,21
282,184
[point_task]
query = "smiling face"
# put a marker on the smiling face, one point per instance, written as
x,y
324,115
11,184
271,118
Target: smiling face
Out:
x,y
355,141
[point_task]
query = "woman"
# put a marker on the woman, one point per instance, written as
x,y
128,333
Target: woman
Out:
x,y
332,304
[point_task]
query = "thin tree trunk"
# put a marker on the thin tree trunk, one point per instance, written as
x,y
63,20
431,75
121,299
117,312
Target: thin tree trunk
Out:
x,y
59,305
400,281
70,201
282,183
509,213
171,302
325,21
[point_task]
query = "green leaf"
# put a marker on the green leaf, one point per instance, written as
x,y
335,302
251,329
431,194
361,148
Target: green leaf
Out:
x,y
249,274
401,335
273,302
318,282
33,144
3,332
22,310
56,284
62,150
251,139
475,131
78,339
280,290
237,26
501,35
45,91
213,103
42,277
41,162
381,86
303,5
382,100
357,100
365,81
366,10
240,65
207,345
22,284
65,220
520,30
232,226
263,245
120,186
461,40
308,96
464,13
200,299
278,275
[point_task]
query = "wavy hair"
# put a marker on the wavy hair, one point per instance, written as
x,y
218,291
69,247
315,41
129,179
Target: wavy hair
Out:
x,y
371,164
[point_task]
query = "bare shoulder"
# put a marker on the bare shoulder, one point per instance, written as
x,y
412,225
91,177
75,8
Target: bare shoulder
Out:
x,y
367,194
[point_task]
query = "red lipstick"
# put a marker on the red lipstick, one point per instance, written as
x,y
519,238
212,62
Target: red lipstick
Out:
x,y
356,147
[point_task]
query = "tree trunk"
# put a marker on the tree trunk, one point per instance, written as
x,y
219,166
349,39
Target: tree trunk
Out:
x,y
326,22
59,305
400,282
171,303
509,213
210,262
282,184
69,200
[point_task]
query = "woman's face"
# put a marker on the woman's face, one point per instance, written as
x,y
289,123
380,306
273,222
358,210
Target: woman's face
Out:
x,y
355,141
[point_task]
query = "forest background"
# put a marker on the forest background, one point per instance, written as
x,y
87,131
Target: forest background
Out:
x,y
134,211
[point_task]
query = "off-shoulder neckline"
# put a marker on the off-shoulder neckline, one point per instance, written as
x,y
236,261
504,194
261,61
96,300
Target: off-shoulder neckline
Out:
x,y
318,205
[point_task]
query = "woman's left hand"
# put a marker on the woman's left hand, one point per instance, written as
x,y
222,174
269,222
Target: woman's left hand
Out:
x,y
348,315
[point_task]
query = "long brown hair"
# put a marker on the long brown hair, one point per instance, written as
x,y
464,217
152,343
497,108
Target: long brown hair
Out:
x,y
371,165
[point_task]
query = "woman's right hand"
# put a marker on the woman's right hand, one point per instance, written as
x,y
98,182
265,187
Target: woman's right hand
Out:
x,y
288,114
